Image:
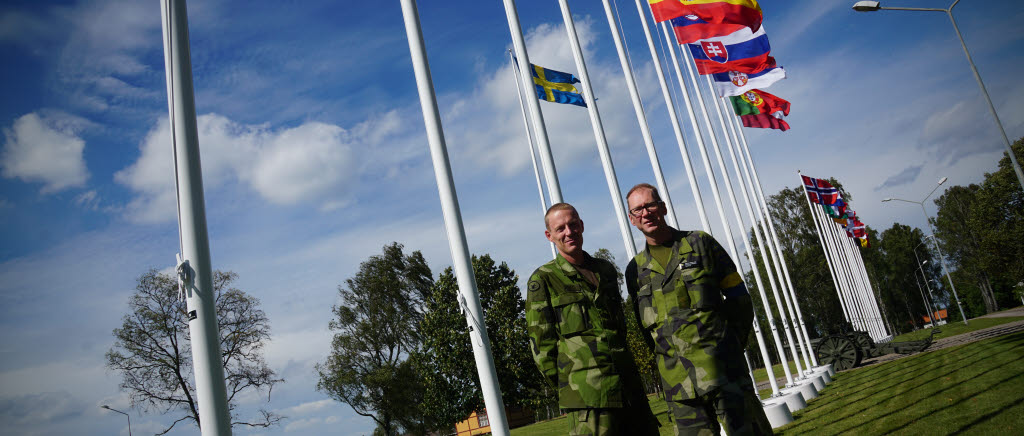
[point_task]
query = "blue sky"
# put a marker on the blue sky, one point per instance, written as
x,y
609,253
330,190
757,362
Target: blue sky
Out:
x,y
314,157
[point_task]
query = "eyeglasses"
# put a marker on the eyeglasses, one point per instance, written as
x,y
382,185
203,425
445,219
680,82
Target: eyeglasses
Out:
x,y
638,211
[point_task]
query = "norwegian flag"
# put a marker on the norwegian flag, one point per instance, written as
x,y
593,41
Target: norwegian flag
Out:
x,y
823,192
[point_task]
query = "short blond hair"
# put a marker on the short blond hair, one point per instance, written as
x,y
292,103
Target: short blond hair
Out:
x,y
557,207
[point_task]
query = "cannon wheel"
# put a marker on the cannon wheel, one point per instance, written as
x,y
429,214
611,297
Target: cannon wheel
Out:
x,y
840,351
865,344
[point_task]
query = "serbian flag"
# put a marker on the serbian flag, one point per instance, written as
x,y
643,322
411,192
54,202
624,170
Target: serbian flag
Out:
x,y
855,229
764,121
759,102
742,51
736,83
743,12
820,191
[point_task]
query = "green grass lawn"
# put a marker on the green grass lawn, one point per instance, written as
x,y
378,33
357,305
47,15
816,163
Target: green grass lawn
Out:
x,y
954,328
976,388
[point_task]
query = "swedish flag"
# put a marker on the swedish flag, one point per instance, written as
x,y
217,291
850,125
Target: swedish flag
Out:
x,y
556,86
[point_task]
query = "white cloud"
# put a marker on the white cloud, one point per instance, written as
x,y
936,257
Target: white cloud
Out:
x,y
301,424
38,150
309,407
302,164
311,163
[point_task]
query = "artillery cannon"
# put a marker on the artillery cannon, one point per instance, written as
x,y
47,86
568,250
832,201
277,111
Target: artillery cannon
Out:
x,y
848,350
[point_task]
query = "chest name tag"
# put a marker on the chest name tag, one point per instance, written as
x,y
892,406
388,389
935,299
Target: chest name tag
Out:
x,y
687,265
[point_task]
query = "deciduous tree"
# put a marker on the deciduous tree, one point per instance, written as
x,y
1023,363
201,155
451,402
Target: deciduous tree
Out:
x,y
152,353
376,331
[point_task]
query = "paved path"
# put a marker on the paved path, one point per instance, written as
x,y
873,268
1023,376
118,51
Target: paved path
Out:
x,y
1016,311
977,335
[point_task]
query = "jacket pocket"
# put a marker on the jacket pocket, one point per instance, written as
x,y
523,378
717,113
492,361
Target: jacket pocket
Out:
x,y
572,315
700,287
646,305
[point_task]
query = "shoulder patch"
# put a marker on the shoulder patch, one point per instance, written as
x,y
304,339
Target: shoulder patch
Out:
x,y
533,285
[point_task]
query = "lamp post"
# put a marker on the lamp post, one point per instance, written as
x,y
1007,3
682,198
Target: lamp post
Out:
x,y
927,280
931,295
924,299
125,414
942,258
871,6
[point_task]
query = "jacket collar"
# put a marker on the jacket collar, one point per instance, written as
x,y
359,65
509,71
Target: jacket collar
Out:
x,y
679,247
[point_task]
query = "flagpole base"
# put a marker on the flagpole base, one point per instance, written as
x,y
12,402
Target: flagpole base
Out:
x,y
794,400
778,414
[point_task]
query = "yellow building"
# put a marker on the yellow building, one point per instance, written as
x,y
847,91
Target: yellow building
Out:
x,y
477,423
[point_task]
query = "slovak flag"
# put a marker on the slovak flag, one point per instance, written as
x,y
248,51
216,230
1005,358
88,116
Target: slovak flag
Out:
x,y
736,83
743,51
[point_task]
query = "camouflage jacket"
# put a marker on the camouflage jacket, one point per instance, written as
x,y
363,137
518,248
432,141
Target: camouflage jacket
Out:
x,y
577,333
697,313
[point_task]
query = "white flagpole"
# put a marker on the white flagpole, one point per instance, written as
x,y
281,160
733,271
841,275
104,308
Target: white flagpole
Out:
x,y
774,238
595,123
641,117
863,291
468,295
195,271
529,141
849,287
871,294
825,250
780,304
715,194
843,280
727,234
768,246
676,127
858,291
844,265
539,131
876,327
736,211
876,317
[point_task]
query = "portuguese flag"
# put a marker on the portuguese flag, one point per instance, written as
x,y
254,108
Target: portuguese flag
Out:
x,y
755,102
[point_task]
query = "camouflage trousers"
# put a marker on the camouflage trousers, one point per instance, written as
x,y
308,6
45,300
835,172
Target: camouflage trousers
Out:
x,y
616,421
734,406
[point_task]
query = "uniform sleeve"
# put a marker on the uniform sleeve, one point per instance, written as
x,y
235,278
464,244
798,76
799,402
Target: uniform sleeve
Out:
x,y
632,287
541,326
738,307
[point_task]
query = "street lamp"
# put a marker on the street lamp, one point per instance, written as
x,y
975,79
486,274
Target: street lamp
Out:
x,y
125,414
942,258
924,299
926,279
931,295
871,6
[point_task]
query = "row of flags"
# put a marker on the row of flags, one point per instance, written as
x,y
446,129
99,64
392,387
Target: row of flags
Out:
x,y
727,41
823,193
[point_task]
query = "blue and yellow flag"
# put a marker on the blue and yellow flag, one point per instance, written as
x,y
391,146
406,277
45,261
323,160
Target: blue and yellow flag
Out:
x,y
556,86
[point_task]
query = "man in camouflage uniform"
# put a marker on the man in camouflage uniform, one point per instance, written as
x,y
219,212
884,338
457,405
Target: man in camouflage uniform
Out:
x,y
577,331
697,314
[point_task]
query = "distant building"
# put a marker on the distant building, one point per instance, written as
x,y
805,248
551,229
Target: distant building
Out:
x,y
478,423
939,315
